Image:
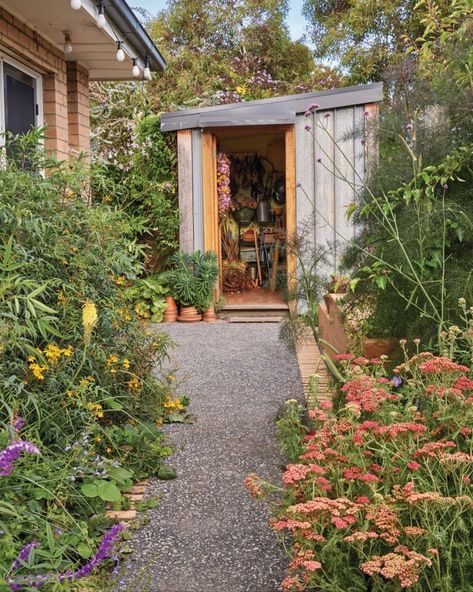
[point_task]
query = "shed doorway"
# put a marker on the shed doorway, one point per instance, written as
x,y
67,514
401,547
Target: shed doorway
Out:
x,y
257,164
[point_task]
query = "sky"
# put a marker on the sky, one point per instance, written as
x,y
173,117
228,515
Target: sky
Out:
x,y
296,21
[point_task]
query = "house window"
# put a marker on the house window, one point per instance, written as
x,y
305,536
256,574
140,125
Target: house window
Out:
x,y
20,97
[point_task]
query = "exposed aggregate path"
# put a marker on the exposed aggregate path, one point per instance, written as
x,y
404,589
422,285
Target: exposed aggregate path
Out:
x,y
207,534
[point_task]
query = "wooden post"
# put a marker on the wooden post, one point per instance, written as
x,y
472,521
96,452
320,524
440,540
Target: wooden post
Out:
x,y
290,144
209,188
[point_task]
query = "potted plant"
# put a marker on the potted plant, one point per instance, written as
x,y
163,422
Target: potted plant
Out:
x,y
191,282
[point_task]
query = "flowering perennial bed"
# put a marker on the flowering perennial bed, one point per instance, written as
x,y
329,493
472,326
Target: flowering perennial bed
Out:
x,y
380,497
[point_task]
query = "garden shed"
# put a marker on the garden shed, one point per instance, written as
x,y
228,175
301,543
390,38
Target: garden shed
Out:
x,y
276,166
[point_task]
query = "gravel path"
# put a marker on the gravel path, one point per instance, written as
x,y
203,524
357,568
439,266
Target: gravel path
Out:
x,y
207,534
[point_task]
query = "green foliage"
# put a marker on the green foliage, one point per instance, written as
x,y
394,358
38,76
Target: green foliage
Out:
x,y
226,51
192,278
367,39
306,285
75,362
291,429
135,167
147,296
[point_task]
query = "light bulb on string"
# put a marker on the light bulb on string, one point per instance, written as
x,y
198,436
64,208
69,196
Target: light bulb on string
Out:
x,y
120,53
147,71
136,69
76,4
101,21
67,44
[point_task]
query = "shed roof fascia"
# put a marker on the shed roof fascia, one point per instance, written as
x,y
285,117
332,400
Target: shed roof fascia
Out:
x,y
270,111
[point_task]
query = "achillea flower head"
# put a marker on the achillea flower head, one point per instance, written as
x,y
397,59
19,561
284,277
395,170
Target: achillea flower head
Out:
x,y
254,485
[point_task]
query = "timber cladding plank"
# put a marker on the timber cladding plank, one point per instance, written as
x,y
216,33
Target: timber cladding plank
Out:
x,y
184,156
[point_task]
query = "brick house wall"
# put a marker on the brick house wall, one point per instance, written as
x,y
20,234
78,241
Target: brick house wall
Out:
x,y
64,86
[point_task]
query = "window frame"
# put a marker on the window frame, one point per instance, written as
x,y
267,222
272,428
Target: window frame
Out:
x,y
5,58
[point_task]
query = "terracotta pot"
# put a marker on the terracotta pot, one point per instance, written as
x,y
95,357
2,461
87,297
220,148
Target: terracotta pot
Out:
x,y
189,314
170,314
376,347
209,315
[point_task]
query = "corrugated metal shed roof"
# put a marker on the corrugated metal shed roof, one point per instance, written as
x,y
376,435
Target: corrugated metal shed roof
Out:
x,y
278,110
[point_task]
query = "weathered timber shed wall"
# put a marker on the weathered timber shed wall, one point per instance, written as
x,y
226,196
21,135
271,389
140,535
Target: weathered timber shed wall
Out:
x,y
331,160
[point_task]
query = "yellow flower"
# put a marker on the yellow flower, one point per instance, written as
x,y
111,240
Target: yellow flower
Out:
x,y
98,439
70,393
123,312
159,423
171,378
112,359
133,383
89,319
106,199
241,90
109,451
120,280
61,299
37,370
126,364
96,409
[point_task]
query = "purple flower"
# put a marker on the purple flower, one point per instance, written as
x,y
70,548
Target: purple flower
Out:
x,y
23,555
327,115
307,128
396,381
319,159
298,185
105,550
167,186
409,126
366,113
19,423
311,108
445,187
363,142
11,453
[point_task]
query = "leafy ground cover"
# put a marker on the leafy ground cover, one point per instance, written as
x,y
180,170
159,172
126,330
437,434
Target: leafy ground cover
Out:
x,y
378,494
82,396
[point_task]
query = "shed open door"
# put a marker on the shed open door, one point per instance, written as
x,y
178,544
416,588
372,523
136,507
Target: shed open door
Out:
x,y
210,202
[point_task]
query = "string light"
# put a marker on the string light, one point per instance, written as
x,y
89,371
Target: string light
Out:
x,y
147,71
101,21
136,69
120,53
76,4
67,43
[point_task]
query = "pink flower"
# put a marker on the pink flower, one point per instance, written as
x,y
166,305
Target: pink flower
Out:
x,y
413,465
312,565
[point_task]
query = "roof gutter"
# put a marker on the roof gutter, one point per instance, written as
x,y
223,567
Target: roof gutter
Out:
x,y
126,21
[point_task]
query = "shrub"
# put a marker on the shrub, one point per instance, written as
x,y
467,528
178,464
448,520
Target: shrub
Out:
x,y
76,364
380,498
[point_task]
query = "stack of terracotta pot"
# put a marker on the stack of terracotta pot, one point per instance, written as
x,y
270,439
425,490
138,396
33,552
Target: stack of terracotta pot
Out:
x,y
189,314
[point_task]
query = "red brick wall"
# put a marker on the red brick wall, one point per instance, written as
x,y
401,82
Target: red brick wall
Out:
x,y
65,86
